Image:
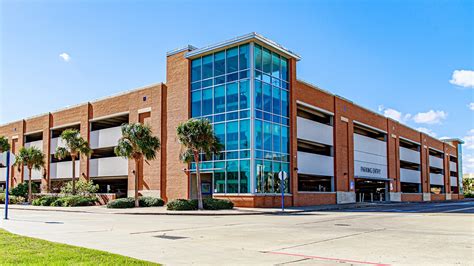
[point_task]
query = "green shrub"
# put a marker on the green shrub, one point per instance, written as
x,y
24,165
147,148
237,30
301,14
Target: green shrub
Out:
x,y
468,194
44,200
21,190
217,204
83,188
13,199
150,202
182,205
73,201
121,203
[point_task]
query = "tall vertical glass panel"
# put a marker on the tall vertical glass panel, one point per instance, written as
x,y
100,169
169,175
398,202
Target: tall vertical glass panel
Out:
x,y
243,92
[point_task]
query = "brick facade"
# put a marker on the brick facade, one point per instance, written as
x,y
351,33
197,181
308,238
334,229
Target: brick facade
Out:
x,y
164,106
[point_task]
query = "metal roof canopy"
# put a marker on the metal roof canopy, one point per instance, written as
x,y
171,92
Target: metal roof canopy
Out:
x,y
241,39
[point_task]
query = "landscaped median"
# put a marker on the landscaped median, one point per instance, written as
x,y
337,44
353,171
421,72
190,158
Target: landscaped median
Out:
x,y
174,205
20,250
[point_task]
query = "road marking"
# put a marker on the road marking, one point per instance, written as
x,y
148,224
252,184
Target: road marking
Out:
x,y
462,209
326,258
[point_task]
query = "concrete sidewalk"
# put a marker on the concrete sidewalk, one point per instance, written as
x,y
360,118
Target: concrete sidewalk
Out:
x,y
235,211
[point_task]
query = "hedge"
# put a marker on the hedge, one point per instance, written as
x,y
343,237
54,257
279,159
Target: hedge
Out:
x,y
208,204
13,199
65,201
130,202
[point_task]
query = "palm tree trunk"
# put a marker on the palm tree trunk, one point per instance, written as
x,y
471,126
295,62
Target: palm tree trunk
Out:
x,y
73,175
198,181
29,184
137,203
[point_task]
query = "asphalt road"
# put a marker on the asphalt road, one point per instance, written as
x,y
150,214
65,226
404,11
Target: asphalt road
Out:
x,y
418,234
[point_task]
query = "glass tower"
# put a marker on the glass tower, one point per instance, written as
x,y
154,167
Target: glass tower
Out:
x,y
244,92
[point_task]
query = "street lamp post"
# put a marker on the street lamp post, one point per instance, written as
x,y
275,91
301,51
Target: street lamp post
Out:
x,y
7,179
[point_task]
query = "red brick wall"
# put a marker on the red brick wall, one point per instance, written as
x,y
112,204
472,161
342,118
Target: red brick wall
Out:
x,y
412,197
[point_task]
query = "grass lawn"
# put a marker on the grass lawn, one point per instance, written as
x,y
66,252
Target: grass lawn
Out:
x,y
20,250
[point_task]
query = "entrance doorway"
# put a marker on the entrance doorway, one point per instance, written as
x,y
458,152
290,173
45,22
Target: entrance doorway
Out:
x,y
206,185
368,190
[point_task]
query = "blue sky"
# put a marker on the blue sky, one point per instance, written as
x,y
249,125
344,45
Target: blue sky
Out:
x,y
393,57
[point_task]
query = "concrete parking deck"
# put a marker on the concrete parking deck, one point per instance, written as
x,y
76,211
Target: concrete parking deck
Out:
x,y
419,234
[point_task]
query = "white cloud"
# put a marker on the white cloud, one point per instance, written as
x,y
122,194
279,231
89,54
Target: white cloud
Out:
x,y
431,117
426,131
469,140
467,163
471,106
463,78
66,57
394,114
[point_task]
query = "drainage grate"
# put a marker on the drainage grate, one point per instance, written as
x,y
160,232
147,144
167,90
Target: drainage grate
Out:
x,y
170,237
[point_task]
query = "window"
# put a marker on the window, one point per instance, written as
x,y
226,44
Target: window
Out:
x,y
276,95
284,69
276,138
243,56
276,65
284,103
409,145
232,60
219,63
267,136
232,96
196,70
314,115
368,132
219,99
410,187
232,139
258,95
196,104
244,176
409,165
232,169
244,94
314,183
207,102
267,97
267,61
207,71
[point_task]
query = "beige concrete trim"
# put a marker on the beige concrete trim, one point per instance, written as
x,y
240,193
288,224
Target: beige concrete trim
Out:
x,y
144,110
15,137
108,116
344,119
66,125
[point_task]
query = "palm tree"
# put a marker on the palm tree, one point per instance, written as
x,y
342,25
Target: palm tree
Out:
x,y
75,146
197,136
32,158
137,143
4,145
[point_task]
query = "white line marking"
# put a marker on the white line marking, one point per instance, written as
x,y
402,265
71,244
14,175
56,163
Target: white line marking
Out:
x,y
462,209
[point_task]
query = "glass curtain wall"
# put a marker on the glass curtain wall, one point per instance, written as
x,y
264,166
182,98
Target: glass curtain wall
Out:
x,y
221,87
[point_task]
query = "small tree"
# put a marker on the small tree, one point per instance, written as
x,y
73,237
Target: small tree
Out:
x,y
137,143
197,136
31,158
75,146
4,145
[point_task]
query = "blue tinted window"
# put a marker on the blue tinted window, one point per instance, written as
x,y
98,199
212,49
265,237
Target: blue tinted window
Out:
x,y
267,97
219,130
258,134
284,69
244,134
244,176
244,56
207,66
232,135
244,94
285,141
196,104
258,95
232,96
219,63
276,138
232,60
219,99
276,65
219,180
276,100
284,103
258,57
266,61
267,177
207,102
267,136
196,70
232,176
